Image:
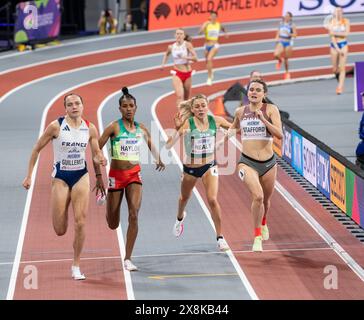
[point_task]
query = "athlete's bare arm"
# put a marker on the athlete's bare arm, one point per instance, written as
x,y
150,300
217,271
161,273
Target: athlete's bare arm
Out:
x,y
148,139
236,122
222,122
166,55
223,29
97,159
294,32
232,129
192,53
108,133
50,133
277,36
275,128
97,155
203,27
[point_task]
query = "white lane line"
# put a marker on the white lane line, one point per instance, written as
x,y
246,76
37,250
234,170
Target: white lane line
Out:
x,y
111,37
62,260
219,252
233,260
27,262
78,55
119,231
19,248
17,258
5,96
295,47
358,270
166,42
15,269
125,47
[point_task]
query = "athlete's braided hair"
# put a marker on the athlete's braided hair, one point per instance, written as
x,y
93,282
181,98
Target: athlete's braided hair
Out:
x,y
126,95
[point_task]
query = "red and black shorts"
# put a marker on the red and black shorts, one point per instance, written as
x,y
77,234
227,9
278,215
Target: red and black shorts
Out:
x,y
120,179
183,75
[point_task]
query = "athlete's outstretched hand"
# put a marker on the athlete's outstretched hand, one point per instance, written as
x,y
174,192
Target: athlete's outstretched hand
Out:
x,y
160,166
27,182
100,159
100,188
260,115
178,121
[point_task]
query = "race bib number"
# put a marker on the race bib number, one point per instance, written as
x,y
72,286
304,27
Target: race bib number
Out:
x,y
213,33
241,174
214,171
129,149
72,163
111,182
203,145
254,128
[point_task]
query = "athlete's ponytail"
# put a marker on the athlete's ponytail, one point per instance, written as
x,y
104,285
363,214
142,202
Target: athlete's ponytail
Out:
x,y
187,37
126,95
184,109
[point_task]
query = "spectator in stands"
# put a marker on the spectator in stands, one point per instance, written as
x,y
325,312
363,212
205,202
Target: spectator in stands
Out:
x,y
139,9
144,11
107,23
129,24
360,148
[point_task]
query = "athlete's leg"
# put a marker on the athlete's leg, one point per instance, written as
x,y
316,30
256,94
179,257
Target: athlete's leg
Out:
x,y
187,88
206,54
267,182
133,194
209,60
287,55
187,184
178,89
341,66
80,195
334,60
210,181
60,200
251,180
113,203
278,53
